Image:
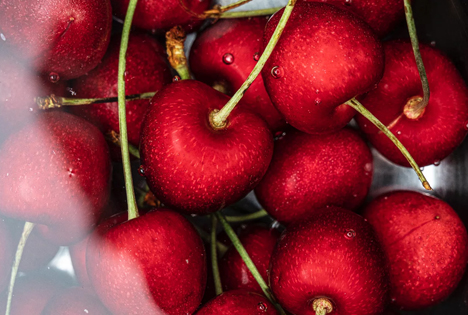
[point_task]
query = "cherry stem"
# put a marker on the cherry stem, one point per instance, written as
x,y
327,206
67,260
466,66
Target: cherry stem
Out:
x,y
131,200
114,137
218,118
322,306
28,227
246,14
418,109
175,40
248,261
248,217
214,257
53,101
363,111
207,238
217,9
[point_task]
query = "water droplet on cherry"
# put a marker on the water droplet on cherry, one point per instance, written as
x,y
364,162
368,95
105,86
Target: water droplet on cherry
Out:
x,y
433,43
368,167
466,125
436,162
398,132
176,78
54,77
141,170
228,58
318,101
350,234
256,56
2,37
262,307
277,72
348,2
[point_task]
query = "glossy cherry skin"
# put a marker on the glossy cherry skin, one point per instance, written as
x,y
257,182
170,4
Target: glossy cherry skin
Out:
x,y
226,54
154,264
74,301
161,15
238,302
188,164
146,71
334,254
325,57
58,37
310,172
6,254
259,242
444,123
381,15
64,184
426,245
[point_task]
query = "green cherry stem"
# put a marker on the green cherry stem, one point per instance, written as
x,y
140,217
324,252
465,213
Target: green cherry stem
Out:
x,y
131,200
246,14
218,118
53,101
114,137
207,238
248,261
28,227
247,217
417,109
175,42
363,111
214,257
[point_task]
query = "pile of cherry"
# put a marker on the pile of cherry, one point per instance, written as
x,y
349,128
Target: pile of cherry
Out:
x,y
287,140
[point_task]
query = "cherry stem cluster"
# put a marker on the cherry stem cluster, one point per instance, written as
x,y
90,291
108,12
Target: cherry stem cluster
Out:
x,y
131,200
28,227
418,109
247,217
214,257
252,13
248,261
363,111
218,118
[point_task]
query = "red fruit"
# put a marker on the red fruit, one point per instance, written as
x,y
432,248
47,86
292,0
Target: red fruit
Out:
x,y
238,302
381,15
444,123
325,57
6,255
310,172
154,264
74,301
259,243
226,54
193,167
146,71
59,38
426,245
333,255
47,176
161,15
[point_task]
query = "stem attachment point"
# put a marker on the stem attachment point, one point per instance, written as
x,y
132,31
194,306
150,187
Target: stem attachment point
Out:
x,y
412,109
322,306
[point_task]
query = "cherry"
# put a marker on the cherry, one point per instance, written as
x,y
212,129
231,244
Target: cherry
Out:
x,y
426,245
446,113
325,57
64,184
331,261
161,15
73,301
6,254
238,302
259,242
225,55
192,166
146,71
153,264
61,39
309,172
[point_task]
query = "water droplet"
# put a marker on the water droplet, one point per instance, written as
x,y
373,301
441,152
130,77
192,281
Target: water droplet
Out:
x,y
350,234
54,77
2,37
368,167
348,2
433,43
256,56
436,162
317,91
70,90
262,307
318,101
277,72
228,58
275,225
466,125
176,78
141,170
398,132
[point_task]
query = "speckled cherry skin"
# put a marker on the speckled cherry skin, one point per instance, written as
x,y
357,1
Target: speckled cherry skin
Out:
x,y
67,38
189,165
259,242
55,172
6,254
426,245
443,125
75,300
238,302
309,172
242,38
146,71
154,264
334,254
161,15
381,15
325,57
